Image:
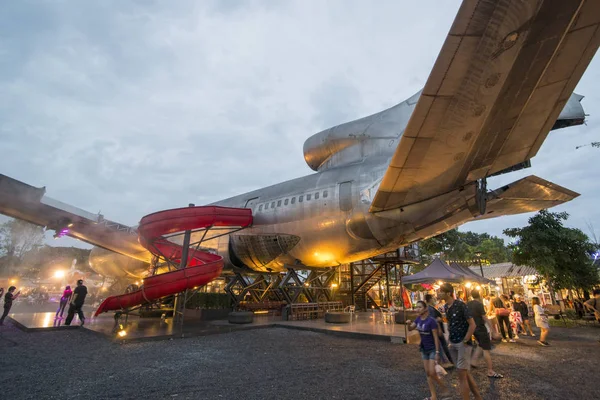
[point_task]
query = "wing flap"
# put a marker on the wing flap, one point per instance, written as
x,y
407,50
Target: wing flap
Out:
x,y
505,71
529,194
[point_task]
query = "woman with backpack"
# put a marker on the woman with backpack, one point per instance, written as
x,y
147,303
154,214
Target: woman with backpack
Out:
x,y
502,311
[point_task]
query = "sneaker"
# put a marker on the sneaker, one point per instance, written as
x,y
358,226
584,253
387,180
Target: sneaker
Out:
x,y
504,340
543,343
512,341
516,336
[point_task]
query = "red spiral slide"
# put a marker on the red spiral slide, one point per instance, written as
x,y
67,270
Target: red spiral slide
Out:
x,y
202,267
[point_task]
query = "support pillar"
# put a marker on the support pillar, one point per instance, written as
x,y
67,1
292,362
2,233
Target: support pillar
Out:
x,y
180,298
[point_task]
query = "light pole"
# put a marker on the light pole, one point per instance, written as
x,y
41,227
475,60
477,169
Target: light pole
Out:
x,y
478,255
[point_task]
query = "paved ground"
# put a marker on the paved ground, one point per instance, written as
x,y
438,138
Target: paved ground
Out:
x,y
276,363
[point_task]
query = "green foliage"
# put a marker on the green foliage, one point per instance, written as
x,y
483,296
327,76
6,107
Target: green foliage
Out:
x,y
208,301
463,246
18,238
559,254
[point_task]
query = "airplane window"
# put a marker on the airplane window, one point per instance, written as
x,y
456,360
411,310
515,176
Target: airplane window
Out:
x,y
308,197
272,204
279,203
293,200
285,203
325,194
317,196
300,199
260,208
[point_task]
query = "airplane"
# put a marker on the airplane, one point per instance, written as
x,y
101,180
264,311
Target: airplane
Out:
x,y
502,81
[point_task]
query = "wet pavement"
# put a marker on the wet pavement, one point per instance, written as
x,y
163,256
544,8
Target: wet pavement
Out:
x,y
277,363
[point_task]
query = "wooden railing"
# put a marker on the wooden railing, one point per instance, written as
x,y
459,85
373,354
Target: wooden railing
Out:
x,y
303,311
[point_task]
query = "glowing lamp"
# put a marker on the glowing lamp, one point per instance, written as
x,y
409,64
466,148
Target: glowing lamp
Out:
x,y
59,274
334,285
468,285
478,287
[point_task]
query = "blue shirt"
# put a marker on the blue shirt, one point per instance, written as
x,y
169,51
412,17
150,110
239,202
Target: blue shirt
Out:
x,y
458,324
425,328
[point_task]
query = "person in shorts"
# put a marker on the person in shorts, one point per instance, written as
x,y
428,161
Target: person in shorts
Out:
x,y
541,320
433,312
430,347
481,334
461,327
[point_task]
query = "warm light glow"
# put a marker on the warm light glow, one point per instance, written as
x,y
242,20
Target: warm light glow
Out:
x,y
334,285
440,283
498,288
122,333
261,312
104,288
468,285
306,284
70,225
137,283
13,281
59,274
478,287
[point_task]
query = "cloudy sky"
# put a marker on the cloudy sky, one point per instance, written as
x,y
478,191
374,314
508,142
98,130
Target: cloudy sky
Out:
x,y
133,107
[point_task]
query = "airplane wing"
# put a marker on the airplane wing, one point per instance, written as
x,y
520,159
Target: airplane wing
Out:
x,y
22,201
505,72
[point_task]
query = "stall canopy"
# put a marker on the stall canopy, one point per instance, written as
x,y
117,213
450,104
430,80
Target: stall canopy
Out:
x,y
437,271
472,276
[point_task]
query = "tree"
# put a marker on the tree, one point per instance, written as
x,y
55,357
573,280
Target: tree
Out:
x,y
560,254
462,246
17,238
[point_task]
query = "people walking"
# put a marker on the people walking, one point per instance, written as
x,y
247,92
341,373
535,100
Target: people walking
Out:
x,y
593,304
430,347
77,303
541,320
435,314
461,327
64,300
8,302
521,307
481,334
502,315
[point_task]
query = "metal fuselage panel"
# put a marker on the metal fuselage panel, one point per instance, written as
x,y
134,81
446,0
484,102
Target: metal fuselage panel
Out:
x,y
337,227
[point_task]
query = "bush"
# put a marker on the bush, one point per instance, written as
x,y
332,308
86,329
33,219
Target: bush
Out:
x,y
208,301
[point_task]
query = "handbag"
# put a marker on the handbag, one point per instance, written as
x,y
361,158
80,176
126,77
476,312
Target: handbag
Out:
x,y
502,312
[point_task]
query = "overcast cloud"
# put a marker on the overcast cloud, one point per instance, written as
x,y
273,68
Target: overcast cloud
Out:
x,y
134,107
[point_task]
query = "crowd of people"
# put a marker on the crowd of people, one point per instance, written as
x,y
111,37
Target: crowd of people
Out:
x,y
75,299
471,325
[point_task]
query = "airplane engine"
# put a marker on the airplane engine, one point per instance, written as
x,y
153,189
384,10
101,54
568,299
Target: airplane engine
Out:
x,y
260,252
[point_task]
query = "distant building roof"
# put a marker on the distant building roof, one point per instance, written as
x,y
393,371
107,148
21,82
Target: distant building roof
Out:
x,y
504,270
